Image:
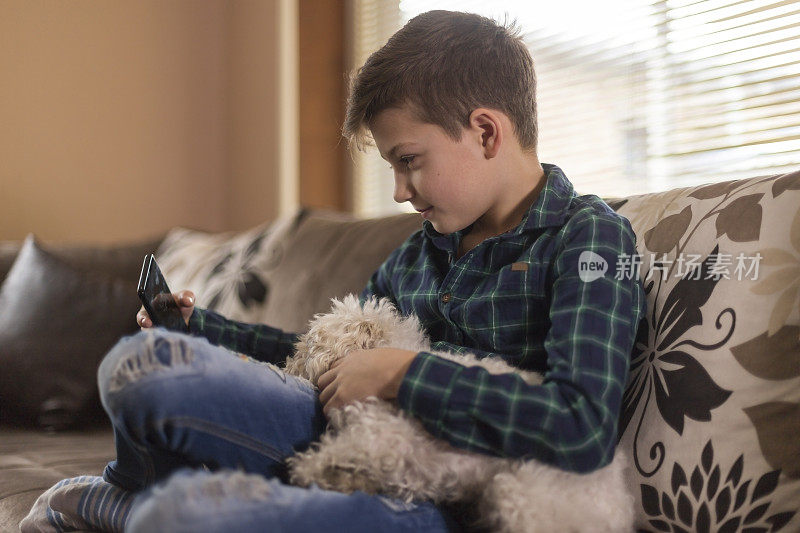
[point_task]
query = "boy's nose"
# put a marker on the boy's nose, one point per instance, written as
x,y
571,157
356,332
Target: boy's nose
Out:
x,y
402,189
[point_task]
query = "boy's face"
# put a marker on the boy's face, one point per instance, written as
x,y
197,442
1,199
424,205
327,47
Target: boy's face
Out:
x,y
448,181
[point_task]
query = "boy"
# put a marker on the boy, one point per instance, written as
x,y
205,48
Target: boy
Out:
x,y
449,102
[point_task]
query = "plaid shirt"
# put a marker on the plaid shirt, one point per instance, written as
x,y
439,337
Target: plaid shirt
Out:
x,y
258,341
519,296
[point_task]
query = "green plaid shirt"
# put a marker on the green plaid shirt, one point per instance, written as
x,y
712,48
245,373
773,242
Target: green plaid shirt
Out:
x,y
520,296
258,341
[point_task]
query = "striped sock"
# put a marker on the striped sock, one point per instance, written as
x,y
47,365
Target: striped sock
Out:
x,y
85,502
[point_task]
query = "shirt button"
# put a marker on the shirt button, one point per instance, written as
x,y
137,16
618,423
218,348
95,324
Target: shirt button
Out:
x,y
446,297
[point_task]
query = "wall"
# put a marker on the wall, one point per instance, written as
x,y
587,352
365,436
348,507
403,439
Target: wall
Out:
x,y
324,160
119,119
253,133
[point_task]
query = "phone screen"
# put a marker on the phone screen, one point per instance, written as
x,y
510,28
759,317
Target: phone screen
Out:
x,y
157,298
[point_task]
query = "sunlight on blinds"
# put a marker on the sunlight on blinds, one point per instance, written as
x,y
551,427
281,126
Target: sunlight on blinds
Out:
x,y
373,22
636,96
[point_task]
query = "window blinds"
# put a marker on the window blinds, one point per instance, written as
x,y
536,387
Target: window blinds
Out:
x,y
372,23
635,96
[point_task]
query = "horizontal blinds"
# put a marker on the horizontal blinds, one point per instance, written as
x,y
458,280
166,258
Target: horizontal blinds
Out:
x,y
641,95
729,75
373,22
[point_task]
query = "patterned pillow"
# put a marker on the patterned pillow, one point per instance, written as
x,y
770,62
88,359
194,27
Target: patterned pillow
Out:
x,y
228,272
711,415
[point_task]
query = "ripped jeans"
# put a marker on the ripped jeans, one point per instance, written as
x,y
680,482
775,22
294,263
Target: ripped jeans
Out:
x,y
201,435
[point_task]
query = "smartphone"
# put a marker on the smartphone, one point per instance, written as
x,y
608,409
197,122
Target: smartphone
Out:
x,y
157,298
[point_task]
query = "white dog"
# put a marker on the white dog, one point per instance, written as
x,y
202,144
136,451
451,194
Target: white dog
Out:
x,y
375,447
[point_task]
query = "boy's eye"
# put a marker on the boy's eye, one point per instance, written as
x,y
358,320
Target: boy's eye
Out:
x,y
405,160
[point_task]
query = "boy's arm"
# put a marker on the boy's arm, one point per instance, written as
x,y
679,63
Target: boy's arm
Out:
x,y
569,421
258,341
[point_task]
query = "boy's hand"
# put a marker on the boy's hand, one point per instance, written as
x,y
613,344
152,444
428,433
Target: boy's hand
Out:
x,y
185,301
364,373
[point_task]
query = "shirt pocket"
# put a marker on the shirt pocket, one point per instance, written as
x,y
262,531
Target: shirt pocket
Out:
x,y
511,316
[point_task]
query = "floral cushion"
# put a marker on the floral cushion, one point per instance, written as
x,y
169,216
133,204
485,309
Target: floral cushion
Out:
x,y
711,414
229,272
282,273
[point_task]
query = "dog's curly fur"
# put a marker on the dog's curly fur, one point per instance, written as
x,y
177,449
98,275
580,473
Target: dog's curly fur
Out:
x,y
375,447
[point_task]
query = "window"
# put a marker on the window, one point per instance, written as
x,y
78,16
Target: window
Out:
x,y
635,96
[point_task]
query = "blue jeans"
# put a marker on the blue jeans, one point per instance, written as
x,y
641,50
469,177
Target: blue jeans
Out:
x,y
202,434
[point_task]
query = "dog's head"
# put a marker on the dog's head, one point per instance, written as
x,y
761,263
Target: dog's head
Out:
x,y
348,327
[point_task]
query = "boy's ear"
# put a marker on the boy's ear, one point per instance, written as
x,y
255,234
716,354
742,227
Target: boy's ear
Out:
x,y
487,125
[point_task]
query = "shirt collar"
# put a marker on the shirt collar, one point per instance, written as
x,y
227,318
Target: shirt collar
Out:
x,y
549,209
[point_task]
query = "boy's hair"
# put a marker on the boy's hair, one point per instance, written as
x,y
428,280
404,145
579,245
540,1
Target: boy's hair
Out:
x,y
444,65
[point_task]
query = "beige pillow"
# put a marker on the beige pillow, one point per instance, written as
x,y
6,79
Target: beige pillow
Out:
x,y
711,415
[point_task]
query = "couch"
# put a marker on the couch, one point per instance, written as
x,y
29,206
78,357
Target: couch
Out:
x,y
711,414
